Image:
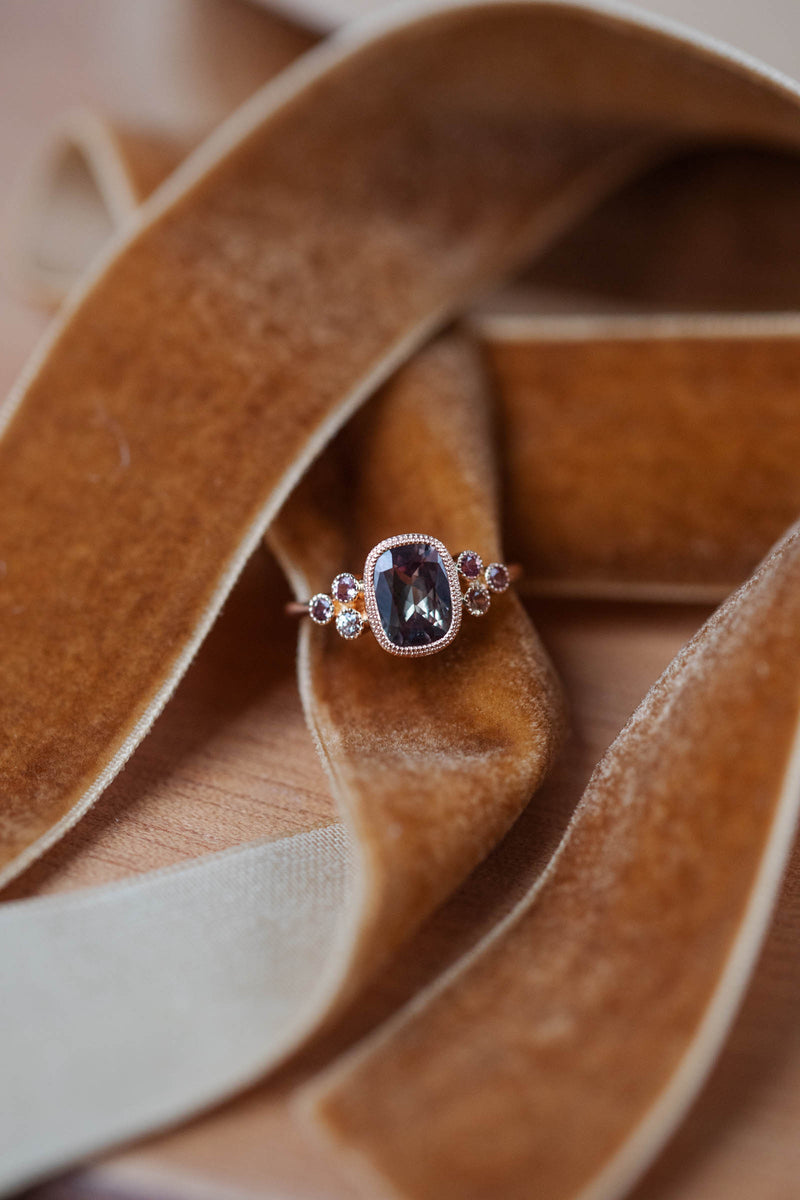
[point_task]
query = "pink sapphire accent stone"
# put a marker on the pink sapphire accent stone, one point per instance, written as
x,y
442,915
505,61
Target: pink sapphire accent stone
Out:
x,y
345,588
477,600
469,564
320,608
497,577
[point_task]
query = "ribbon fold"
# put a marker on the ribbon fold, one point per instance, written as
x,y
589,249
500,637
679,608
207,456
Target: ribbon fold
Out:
x,y
274,283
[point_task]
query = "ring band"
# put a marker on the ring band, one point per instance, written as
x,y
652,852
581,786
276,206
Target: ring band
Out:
x,y
411,595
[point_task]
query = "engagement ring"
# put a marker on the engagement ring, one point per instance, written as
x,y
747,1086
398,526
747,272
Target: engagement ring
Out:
x,y
411,595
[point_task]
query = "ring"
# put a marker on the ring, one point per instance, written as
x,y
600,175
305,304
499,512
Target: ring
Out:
x,y
411,595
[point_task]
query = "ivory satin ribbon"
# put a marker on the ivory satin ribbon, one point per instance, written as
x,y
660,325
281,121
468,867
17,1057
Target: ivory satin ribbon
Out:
x,y
262,902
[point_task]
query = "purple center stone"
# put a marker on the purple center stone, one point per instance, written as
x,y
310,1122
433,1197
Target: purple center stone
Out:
x,y
412,593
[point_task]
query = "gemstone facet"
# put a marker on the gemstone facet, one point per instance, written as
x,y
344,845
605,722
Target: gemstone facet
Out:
x,y
470,564
320,608
497,577
349,623
345,588
477,600
412,594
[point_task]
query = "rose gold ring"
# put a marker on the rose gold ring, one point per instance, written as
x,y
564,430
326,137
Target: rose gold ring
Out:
x,y
411,595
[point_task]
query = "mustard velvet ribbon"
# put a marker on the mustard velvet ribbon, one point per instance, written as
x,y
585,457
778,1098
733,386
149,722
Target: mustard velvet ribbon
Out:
x,y
201,388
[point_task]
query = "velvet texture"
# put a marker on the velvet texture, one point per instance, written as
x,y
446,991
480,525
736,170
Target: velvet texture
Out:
x,y
417,749
172,401
169,400
645,370
580,1017
646,458
162,352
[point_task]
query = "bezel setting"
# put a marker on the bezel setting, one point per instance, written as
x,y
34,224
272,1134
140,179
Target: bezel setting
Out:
x,y
350,623
475,596
351,583
477,565
371,604
494,585
325,602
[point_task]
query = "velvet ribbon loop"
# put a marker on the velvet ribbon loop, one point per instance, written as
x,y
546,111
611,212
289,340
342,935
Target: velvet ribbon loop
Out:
x,y
298,264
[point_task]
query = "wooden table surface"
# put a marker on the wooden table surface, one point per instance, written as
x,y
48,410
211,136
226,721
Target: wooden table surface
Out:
x,y
231,760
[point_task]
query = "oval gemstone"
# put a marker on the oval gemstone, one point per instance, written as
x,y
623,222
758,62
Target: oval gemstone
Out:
x,y
477,600
349,623
344,588
497,577
470,564
320,608
412,594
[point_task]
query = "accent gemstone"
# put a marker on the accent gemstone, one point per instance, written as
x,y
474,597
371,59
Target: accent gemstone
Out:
x,y
412,594
497,577
345,588
320,608
477,600
349,623
470,564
